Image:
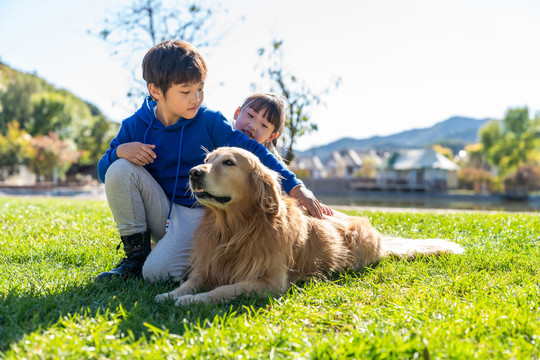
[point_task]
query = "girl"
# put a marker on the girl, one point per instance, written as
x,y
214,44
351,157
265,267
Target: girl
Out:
x,y
262,118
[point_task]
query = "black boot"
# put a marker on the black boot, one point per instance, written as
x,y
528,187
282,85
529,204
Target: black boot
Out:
x,y
137,247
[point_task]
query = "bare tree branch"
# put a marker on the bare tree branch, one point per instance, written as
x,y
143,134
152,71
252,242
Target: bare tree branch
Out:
x,y
135,28
298,97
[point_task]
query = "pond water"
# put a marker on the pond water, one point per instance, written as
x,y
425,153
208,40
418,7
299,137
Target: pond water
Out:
x,y
408,200
430,201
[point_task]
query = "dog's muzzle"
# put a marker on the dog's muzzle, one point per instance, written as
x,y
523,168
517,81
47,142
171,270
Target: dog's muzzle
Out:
x,y
196,183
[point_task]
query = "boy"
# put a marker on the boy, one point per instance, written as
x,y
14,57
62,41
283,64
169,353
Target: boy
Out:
x,y
145,171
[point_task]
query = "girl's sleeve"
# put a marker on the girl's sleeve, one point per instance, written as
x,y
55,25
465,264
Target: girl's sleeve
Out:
x,y
226,135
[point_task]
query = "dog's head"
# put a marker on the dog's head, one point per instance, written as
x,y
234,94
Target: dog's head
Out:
x,y
235,178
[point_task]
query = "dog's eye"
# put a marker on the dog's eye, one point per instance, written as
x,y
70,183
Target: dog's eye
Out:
x,y
228,162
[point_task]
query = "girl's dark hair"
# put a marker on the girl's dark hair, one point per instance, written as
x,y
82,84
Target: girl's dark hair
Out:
x,y
173,62
273,107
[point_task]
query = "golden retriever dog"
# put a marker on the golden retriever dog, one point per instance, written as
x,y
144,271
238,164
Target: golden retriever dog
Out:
x,y
253,239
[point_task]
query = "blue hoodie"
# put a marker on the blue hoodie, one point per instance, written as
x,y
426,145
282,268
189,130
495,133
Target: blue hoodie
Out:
x,y
181,146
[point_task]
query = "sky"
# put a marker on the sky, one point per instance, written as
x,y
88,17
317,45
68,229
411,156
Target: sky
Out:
x,y
403,64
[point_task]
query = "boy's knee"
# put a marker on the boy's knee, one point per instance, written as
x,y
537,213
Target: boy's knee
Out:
x,y
153,271
156,269
119,169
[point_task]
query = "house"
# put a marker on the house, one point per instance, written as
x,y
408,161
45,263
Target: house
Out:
x,y
343,164
353,162
312,165
336,166
420,170
371,161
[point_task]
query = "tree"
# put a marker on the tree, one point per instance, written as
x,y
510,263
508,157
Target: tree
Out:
x,y
56,111
135,28
53,156
473,156
477,179
512,142
15,150
526,178
95,139
16,89
299,98
369,168
39,108
474,173
446,152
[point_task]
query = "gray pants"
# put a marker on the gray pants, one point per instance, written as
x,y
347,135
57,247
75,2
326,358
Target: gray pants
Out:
x,y
139,203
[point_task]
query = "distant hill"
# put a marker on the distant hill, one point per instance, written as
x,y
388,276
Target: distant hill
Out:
x,y
40,107
454,133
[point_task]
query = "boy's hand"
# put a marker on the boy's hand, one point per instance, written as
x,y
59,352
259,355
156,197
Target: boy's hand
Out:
x,y
308,200
136,152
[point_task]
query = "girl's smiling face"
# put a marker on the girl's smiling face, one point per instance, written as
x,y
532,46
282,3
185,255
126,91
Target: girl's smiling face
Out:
x,y
255,125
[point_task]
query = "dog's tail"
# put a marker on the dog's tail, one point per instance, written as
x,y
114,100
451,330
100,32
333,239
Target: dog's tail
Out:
x,y
412,248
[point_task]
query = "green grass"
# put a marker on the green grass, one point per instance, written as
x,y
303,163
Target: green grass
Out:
x,y
483,304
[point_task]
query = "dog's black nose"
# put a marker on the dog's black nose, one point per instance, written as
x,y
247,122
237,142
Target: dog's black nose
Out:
x,y
195,174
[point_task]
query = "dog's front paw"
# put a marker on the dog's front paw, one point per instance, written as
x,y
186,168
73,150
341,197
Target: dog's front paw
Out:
x,y
185,300
164,297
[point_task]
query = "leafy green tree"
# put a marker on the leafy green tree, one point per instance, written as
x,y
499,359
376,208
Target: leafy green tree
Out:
x,y
52,112
73,119
16,89
43,109
512,142
95,139
299,97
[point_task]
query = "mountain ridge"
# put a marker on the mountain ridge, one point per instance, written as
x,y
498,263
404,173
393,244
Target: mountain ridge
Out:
x,y
454,132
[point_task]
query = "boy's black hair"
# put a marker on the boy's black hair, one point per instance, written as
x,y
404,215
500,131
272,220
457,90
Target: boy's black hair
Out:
x,y
173,62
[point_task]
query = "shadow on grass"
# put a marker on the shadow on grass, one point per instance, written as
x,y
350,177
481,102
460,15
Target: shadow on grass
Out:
x,y
22,314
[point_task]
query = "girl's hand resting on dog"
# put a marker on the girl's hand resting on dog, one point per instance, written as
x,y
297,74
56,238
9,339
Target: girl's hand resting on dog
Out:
x,y
308,200
136,152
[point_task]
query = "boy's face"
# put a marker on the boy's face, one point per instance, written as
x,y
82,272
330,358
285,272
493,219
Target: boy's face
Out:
x,y
180,100
255,125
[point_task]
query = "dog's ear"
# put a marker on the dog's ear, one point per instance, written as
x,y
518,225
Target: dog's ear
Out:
x,y
266,188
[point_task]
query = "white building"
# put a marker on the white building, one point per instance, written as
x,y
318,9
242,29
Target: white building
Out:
x,y
423,169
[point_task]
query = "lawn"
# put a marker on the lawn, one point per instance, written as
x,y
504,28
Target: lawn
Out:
x,y
482,304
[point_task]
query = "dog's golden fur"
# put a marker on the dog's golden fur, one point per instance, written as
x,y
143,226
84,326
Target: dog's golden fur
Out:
x,y
253,239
